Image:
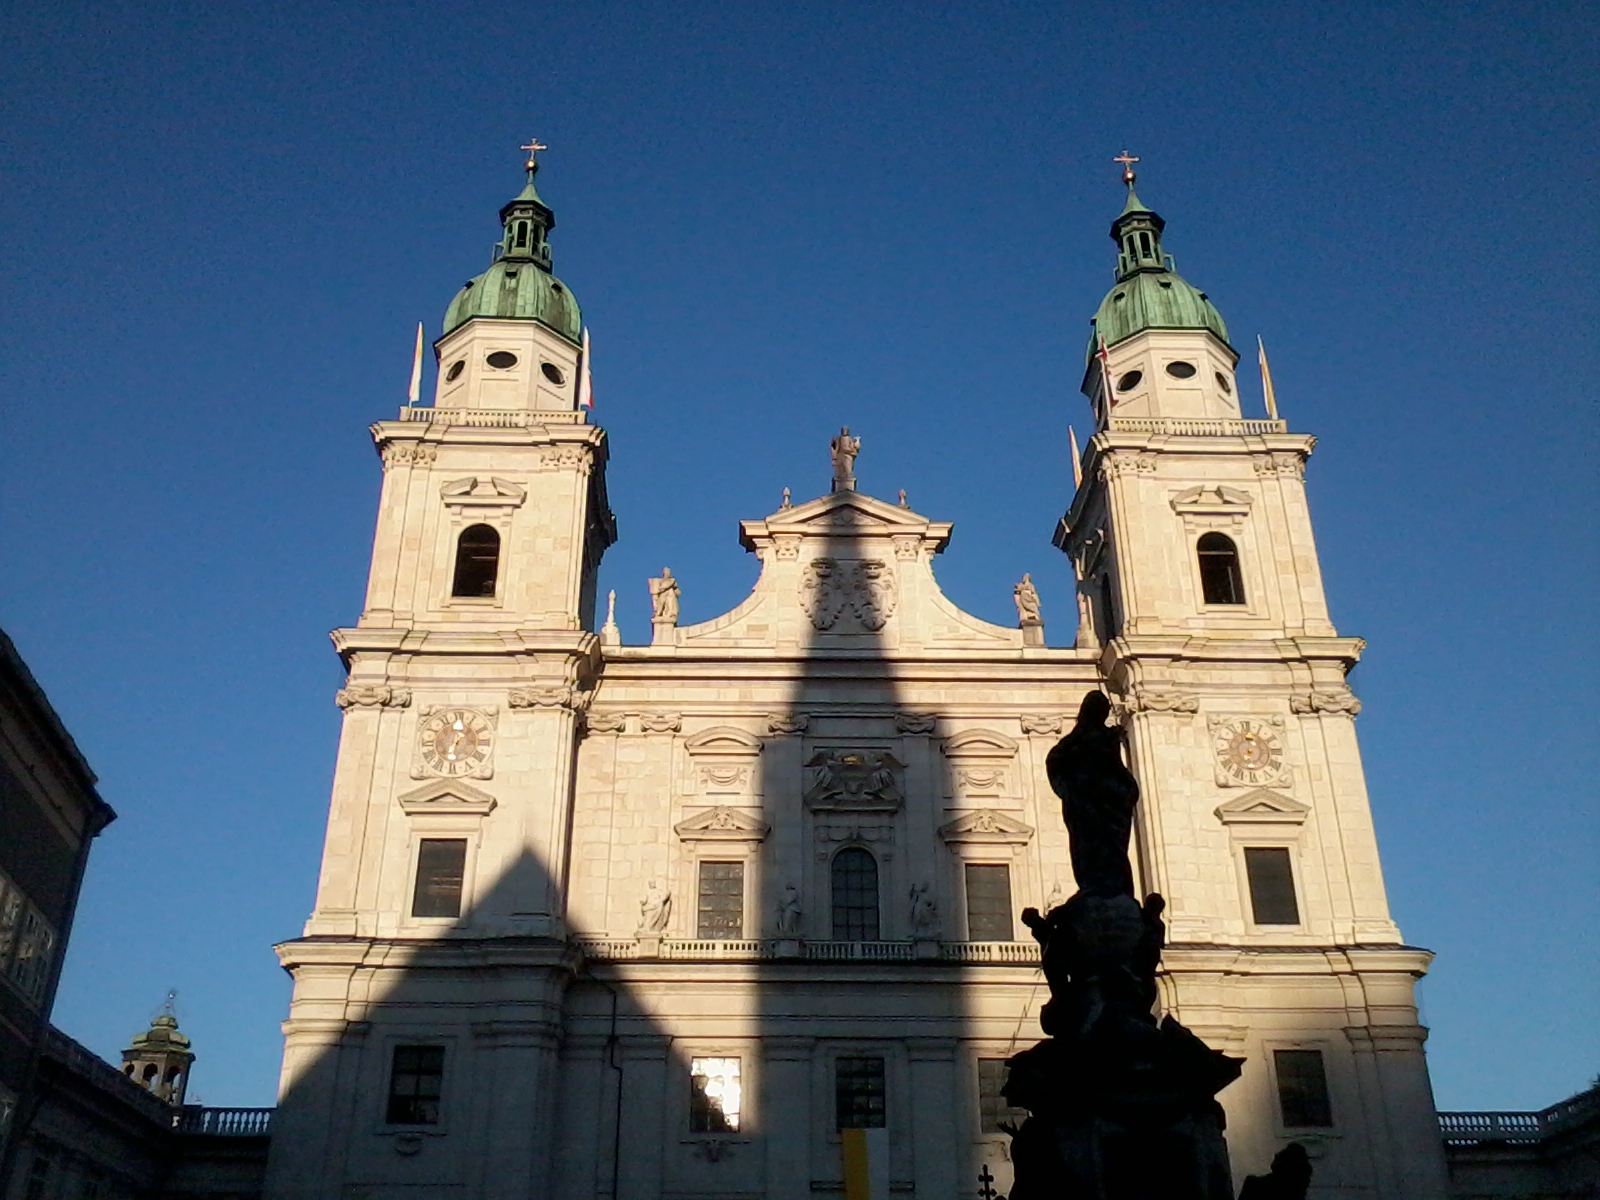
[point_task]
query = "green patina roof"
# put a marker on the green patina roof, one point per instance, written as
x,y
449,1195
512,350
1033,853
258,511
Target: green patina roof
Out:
x,y
518,286
1148,293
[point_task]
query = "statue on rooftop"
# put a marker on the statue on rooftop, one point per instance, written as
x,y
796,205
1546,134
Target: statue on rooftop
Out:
x,y
844,449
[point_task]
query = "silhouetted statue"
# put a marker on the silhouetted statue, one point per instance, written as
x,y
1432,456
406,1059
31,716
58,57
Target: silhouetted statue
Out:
x,y
1122,1105
1290,1178
1098,794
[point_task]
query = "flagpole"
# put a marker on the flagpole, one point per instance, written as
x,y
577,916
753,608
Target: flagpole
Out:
x,y
1104,356
416,369
1266,379
1077,463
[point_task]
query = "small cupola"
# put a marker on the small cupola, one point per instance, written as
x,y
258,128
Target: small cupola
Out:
x,y
527,220
159,1058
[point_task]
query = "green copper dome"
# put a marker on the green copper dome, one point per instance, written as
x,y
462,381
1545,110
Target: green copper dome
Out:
x,y
1148,294
518,286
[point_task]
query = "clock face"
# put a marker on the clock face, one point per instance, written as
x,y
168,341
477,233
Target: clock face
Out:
x,y
1249,752
455,741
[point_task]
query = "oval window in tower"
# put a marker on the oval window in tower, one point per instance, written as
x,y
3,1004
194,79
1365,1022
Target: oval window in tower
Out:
x,y
502,360
552,373
454,373
1181,369
1222,382
1129,381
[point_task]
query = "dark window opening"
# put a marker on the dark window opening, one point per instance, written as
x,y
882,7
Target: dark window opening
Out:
x,y
858,1093
416,1081
441,868
552,373
1129,381
522,233
1144,245
1220,580
1271,879
1105,613
477,561
992,1106
501,360
721,900
455,370
988,902
1303,1089
1222,382
1181,369
855,896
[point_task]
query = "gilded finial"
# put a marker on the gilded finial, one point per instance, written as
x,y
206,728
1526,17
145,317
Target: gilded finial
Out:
x,y
533,146
1127,160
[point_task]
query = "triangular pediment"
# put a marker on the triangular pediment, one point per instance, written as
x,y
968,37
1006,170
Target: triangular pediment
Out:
x,y
477,490
846,514
986,825
447,796
722,824
1212,498
1263,807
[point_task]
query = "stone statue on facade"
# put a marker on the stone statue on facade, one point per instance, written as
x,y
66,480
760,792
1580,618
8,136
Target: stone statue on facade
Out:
x,y
1122,1106
844,449
924,911
655,910
664,598
789,913
1027,598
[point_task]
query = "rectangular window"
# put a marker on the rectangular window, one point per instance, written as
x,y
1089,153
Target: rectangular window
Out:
x,y
992,1106
11,905
858,1093
1302,1089
714,1095
416,1081
988,902
721,900
441,866
1271,881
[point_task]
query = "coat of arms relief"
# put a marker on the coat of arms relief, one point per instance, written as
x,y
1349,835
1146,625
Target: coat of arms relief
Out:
x,y
864,780
831,587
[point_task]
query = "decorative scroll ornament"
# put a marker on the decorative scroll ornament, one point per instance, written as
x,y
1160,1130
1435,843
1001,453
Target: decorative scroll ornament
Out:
x,y
867,587
367,695
863,779
605,721
788,723
1325,702
916,722
562,696
660,722
1159,702
409,454
1039,723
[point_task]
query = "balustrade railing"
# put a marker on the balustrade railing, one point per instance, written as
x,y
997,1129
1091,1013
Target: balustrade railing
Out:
x,y
1464,1128
726,949
1197,426
481,418
224,1122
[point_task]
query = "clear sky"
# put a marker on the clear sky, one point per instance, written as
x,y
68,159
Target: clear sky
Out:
x,y
221,224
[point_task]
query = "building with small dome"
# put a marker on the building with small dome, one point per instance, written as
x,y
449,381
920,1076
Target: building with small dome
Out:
x,y
659,921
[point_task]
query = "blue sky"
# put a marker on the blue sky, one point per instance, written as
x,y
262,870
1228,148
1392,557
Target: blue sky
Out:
x,y
222,224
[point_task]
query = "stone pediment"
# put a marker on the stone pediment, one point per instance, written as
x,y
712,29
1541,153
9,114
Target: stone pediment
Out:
x,y
986,826
846,571
447,796
723,741
979,744
477,492
1263,807
722,824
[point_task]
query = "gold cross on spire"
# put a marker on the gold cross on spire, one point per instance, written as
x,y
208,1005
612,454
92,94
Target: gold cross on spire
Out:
x,y
533,146
1127,160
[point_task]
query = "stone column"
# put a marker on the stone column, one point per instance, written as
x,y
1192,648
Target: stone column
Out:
x,y
646,1061
936,1138
785,1115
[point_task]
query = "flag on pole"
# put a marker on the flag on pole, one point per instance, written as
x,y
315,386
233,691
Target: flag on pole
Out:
x,y
585,384
1266,379
1104,356
1077,461
416,368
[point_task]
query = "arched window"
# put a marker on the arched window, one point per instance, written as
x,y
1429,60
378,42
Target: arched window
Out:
x,y
522,233
151,1071
855,896
1220,580
477,561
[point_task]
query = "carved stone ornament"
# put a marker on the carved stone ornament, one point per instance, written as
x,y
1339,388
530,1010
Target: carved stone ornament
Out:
x,y
854,779
484,497
562,696
987,827
1211,506
788,723
916,722
409,454
980,762
831,586
660,722
372,695
723,759
907,549
565,458
1291,465
832,835
1261,807
787,547
447,796
1119,463
723,824
605,721
1325,702
1249,750
1143,700
1039,723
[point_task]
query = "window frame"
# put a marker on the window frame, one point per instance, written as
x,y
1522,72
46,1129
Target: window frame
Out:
x,y
386,1065
416,878
1302,1132
966,896
701,862
1236,578
459,537
861,1054
442,826
832,892
1295,888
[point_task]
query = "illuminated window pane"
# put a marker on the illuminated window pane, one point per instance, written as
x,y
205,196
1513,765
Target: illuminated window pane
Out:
x,y
721,900
988,902
715,1094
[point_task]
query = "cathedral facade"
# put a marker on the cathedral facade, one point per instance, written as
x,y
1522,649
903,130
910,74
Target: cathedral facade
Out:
x,y
646,921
